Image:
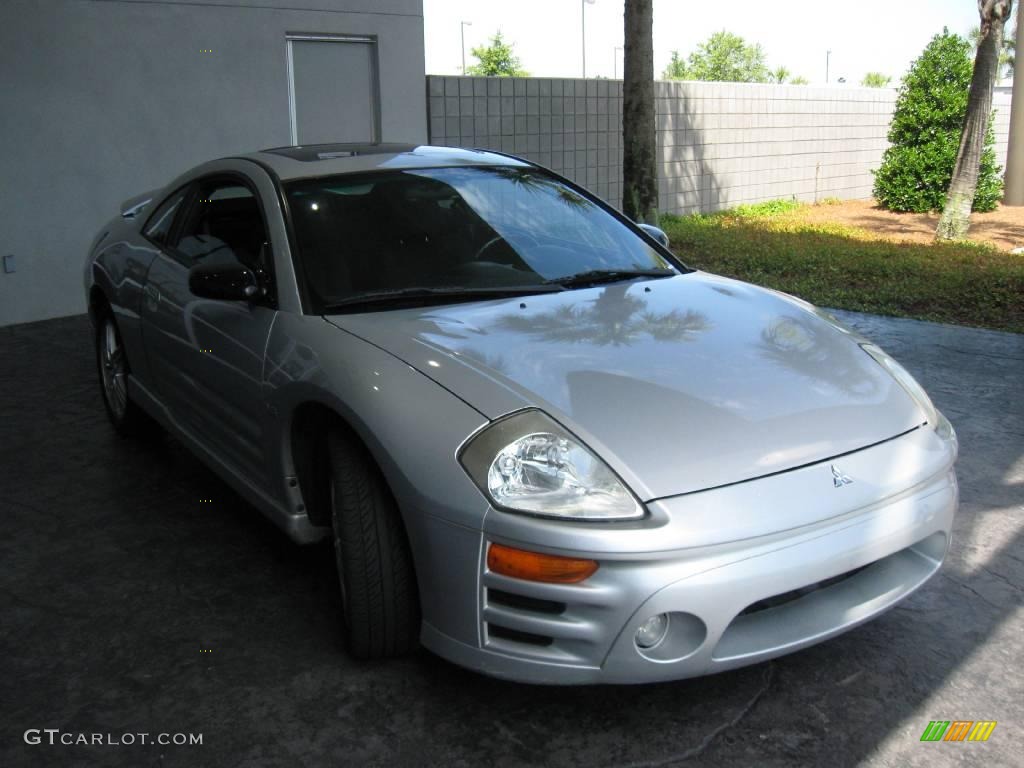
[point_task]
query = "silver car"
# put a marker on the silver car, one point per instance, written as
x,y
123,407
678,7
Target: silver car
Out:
x,y
544,448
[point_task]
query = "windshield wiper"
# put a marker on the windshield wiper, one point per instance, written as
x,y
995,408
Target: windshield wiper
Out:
x,y
439,295
598,276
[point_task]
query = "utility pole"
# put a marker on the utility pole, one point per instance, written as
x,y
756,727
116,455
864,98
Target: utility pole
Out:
x,y
583,32
1014,177
462,28
828,55
615,62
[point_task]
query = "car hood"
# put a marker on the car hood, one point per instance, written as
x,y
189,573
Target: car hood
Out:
x,y
680,384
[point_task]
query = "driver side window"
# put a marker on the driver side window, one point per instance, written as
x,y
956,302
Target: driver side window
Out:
x,y
225,225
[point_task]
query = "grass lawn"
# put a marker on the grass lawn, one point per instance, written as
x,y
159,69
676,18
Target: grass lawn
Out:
x,y
835,265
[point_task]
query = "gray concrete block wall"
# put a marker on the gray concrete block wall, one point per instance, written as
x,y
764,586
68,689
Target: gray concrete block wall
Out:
x,y
723,144
573,127
719,144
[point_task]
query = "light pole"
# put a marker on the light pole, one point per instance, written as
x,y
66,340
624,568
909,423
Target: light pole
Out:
x,y
615,63
462,29
828,55
583,31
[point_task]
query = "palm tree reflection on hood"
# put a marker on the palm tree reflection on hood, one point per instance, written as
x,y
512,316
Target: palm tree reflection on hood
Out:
x,y
615,318
809,347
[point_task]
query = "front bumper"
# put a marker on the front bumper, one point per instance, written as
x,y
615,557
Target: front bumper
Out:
x,y
731,604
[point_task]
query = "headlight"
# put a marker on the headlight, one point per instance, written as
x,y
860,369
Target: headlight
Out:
x,y
529,463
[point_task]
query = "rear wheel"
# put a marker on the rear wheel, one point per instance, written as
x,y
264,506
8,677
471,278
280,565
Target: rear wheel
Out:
x,y
378,583
125,416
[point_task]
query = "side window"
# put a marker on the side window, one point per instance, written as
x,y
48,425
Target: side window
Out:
x,y
159,225
225,225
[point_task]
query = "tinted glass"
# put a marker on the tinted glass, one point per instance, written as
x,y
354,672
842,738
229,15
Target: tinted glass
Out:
x,y
159,224
453,227
224,226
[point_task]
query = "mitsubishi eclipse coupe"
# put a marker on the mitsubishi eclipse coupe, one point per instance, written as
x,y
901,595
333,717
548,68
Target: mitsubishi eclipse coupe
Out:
x,y
543,447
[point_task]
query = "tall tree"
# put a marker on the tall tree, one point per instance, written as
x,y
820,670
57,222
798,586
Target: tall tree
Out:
x,y
723,57
676,69
639,161
956,214
1007,54
496,60
1011,50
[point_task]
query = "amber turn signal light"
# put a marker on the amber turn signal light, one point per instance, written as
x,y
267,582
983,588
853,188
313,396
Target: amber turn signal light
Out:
x,y
534,566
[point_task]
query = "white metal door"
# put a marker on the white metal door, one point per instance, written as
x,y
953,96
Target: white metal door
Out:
x,y
333,92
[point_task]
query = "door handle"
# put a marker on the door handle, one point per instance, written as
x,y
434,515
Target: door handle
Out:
x,y
152,294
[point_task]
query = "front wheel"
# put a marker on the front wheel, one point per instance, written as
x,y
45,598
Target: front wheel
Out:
x,y
378,583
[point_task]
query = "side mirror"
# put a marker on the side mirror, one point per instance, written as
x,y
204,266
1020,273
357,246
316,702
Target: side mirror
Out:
x,y
223,282
657,234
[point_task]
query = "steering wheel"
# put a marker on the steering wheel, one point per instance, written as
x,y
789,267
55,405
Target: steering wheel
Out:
x,y
478,256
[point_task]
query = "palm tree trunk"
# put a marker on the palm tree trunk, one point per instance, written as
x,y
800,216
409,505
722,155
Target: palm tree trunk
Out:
x,y
639,155
956,214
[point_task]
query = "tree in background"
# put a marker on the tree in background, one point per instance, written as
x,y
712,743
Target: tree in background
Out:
x,y
956,214
639,161
496,60
925,131
875,80
723,57
779,75
676,69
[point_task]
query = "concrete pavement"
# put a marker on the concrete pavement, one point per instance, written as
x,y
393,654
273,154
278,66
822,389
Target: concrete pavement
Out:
x,y
128,605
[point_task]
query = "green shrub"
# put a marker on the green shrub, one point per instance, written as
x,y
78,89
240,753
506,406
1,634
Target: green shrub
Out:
x,y
767,208
925,133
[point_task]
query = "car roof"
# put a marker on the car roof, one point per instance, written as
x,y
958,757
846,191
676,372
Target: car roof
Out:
x,y
312,160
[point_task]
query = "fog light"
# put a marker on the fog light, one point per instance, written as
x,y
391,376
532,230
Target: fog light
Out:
x,y
652,631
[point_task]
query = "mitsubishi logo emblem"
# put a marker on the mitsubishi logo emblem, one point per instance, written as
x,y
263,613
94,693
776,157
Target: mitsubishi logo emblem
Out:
x,y
838,478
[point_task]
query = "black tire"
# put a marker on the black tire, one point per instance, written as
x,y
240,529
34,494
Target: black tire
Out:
x,y
378,582
125,416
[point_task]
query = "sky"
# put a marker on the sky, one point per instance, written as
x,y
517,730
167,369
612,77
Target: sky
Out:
x,y
863,35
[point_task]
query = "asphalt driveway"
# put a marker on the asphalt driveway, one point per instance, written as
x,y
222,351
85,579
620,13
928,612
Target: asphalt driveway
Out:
x,y
140,595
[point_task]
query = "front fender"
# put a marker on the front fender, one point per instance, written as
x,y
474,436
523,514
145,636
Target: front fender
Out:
x,y
413,427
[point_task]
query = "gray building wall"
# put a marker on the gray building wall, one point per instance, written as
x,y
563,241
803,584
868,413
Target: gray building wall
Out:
x,y
719,144
105,100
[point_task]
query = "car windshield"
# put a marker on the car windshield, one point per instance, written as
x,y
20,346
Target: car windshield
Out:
x,y
435,234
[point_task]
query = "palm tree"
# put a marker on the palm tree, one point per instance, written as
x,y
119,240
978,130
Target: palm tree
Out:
x,y
956,214
639,161
535,183
875,80
1007,54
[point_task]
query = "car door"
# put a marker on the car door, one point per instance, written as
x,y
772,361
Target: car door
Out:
x,y
206,355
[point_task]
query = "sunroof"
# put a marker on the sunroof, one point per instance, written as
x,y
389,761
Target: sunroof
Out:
x,y
314,152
